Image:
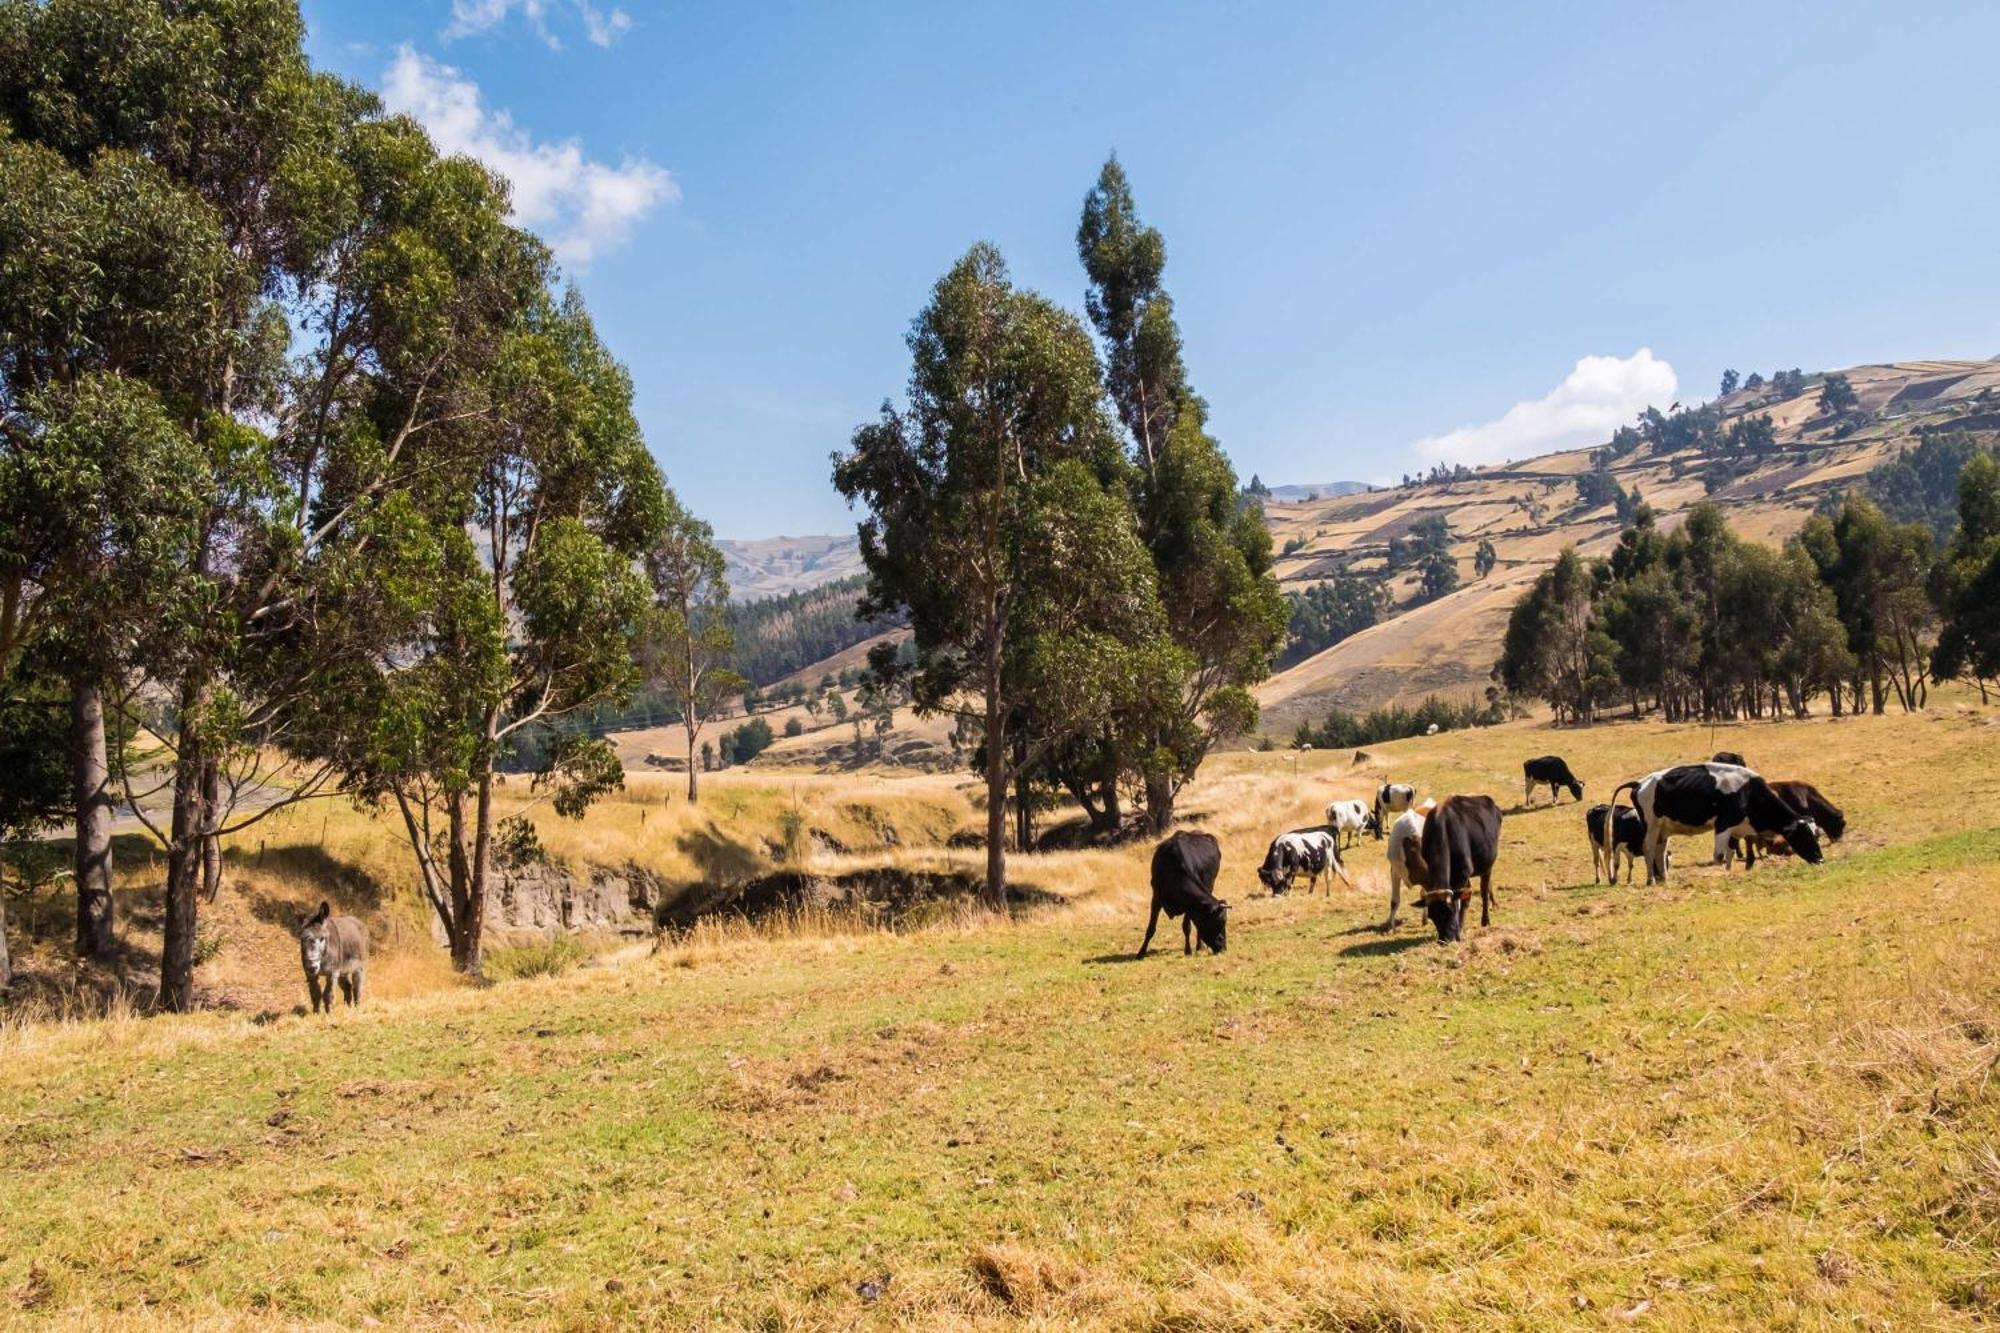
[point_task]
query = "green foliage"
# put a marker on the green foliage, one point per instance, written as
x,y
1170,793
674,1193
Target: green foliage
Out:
x,y
1343,730
1327,612
1965,586
744,743
1837,397
1921,484
1730,379
516,844
776,636
1485,558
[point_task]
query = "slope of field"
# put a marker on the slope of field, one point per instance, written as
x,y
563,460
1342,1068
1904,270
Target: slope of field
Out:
x,y
1739,1100
1529,510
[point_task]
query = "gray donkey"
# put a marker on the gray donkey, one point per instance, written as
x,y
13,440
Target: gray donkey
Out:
x,y
333,948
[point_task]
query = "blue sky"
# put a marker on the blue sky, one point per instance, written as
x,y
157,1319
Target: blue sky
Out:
x,y
1395,232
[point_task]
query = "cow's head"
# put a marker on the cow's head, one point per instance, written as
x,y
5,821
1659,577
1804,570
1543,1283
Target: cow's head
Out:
x,y
1275,874
312,938
1802,836
1211,925
1576,791
1372,823
1446,911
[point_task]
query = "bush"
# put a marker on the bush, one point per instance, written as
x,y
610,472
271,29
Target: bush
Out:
x,y
794,727
550,958
1343,730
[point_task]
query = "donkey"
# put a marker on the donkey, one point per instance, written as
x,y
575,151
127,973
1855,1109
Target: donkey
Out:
x,y
333,948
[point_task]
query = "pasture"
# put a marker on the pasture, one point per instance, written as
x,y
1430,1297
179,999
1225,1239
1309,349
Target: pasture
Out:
x,y
1750,1100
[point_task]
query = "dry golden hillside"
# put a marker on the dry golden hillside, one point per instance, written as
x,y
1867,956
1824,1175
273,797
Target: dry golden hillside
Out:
x,y
1530,511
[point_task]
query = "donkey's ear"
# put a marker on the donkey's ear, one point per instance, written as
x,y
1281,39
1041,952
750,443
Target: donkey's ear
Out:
x,y
325,911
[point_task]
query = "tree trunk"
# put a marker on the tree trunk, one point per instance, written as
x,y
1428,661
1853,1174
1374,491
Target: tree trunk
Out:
x,y
464,946
1159,802
90,784
482,849
694,770
995,897
184,859
6,959
211,840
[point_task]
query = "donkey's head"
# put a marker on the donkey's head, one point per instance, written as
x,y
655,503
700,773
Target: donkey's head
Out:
x,y
313,941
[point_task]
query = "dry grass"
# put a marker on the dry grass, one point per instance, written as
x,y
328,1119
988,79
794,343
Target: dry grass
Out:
x,y
1739,1100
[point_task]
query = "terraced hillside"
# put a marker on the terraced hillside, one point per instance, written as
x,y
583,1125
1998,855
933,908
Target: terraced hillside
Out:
x,y
1531,510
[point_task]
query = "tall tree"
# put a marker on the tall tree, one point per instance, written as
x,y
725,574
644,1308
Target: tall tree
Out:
x,y
689,641
1211,553
1966,583
997,516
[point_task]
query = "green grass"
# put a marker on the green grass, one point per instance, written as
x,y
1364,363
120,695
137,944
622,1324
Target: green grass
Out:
x,y
1748,1100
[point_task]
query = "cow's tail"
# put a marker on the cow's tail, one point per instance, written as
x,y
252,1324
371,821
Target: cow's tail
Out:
x,y
1611,821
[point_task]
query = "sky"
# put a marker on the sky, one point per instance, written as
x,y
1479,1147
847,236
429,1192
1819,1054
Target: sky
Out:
x,y
1397,234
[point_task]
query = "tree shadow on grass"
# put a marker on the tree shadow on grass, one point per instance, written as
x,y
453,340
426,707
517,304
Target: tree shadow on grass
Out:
x,y
721,859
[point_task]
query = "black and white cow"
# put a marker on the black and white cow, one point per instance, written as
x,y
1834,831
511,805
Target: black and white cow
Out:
x,y
1308,852
1727,757
1184,871
1350,819
1405,835
1722,799
1628,838
1460,842
1392,798
1801,796
1549,771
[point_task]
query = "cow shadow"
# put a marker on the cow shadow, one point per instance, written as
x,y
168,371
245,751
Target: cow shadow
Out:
x,y
1107,959
1385,946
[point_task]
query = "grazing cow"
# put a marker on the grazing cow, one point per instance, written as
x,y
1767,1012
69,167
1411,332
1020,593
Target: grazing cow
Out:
x,y
1184,871
1824,815
333,948
1392,798
1550,771
1712,798
1404,837
1350,819
1628,837
1727,757
1460,841
1431,730
1311,852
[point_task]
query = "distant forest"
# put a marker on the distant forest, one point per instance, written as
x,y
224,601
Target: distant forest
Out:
x,y
776,636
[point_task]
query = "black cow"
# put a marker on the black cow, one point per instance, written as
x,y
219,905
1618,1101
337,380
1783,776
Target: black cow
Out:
x,y
1720,798
1550,771
1727,757
1461,839
1184,871
1628,836
1806,799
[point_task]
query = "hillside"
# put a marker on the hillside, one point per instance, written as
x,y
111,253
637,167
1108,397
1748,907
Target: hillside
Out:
x,y
1531,510
767,566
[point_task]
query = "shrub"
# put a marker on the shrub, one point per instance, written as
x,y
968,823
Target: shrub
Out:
x,y
548,958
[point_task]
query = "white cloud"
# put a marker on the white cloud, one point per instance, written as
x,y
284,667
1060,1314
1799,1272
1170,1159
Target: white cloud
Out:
x,y
1601,394
601,27
581,206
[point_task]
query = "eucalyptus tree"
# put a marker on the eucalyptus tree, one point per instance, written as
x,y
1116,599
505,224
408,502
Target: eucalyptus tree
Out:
x,y
998,516
1211,553
1966,583
689,640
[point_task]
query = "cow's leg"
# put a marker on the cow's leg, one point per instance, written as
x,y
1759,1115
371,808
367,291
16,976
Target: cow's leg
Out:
x,y
1656,861
1485,899
1187,934
1152,924
1527,791
1395,896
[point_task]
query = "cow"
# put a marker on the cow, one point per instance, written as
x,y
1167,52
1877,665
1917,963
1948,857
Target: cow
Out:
x,y
1431,730
1404,835
333,948
1727,757
1628,836
1460,841
1549,771
1350,819
1825,816
1392,798
1311,852
1712,797
1184,871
